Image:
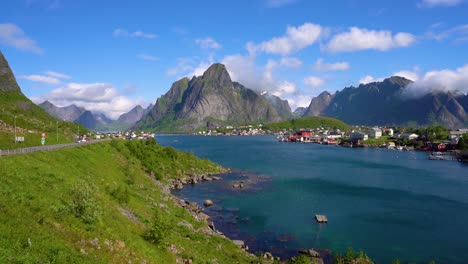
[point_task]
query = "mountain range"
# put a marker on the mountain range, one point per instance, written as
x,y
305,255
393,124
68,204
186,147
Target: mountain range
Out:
x,y
385,103
95,121
211,100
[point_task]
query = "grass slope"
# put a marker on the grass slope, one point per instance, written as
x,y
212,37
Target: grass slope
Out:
x,y
31,121
98,204
309,122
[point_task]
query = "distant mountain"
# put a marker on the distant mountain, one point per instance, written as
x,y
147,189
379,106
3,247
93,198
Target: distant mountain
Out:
x,y
67,113
281,106
133,115
95,121
31,120
300,111
207,101
384,103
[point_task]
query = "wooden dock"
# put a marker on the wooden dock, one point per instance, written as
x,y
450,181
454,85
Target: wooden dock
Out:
x,y
321,219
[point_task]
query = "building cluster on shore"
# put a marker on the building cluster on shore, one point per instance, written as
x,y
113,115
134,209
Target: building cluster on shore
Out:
x,y
247,130
383,137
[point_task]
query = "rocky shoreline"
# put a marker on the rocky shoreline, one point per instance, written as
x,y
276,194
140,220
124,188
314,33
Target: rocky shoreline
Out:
x,y
197,211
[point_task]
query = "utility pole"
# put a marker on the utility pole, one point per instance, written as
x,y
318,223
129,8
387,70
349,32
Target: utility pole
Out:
x,y
15,129
56,124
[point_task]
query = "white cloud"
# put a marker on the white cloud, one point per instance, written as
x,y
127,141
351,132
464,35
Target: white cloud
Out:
x,y
57,75
295,39
434,3
410,75
148,57
188,67
313,81
284,87
291,62
457,34
320,65
40,79
13,36
362,39
208,43
369,79
136,34
299,101
455,81
96,97
278,3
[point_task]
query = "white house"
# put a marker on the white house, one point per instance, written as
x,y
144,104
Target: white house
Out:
x,y
358,136
389,131
455,135
410,136
375,132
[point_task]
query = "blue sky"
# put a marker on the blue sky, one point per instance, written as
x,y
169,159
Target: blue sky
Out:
x,y
109,56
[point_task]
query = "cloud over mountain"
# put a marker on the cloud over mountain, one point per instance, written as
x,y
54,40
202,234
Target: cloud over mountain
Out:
x,y
357,39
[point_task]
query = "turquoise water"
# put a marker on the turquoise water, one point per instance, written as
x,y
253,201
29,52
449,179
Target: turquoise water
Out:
x,y
390,204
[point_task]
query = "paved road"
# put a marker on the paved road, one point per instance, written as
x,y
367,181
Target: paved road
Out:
x,y
45,148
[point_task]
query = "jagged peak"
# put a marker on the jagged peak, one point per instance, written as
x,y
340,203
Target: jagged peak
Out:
x,y
7,79
324,93
402,81
217,71
46,103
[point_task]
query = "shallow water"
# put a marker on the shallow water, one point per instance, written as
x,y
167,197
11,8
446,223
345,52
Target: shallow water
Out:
x,y
390,204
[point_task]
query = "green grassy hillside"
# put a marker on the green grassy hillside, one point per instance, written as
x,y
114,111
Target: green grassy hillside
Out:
x,y
104,203
31,121
308,122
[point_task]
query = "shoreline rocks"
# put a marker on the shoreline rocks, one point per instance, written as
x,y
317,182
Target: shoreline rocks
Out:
x,y
198,213
178,184
208,203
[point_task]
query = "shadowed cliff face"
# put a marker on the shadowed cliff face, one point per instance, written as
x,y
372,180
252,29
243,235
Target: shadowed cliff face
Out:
x,y
212,98
383,103
7,79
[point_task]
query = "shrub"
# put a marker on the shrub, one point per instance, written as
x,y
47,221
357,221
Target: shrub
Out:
x,y
84,203
158,229
121,194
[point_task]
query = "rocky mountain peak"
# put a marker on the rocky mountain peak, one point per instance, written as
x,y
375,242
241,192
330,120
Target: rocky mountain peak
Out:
x,y
218,72
397,80
7,79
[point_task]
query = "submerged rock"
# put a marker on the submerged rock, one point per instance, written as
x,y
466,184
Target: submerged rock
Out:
x,y
208,203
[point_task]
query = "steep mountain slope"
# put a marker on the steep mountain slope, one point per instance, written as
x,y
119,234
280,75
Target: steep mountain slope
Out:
x,y
206,101
67,113
30,119
132,116
383,103
281,106
92,120
300,111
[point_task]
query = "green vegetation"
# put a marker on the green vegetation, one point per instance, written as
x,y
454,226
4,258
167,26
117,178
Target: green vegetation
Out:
x,y
352,257
308,122
31,121
378,141
463,142
102,203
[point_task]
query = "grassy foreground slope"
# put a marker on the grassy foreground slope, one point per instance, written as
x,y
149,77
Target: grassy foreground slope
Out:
x,y
104,203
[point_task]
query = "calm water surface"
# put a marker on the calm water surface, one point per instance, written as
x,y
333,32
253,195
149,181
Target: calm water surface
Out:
x,y
390,204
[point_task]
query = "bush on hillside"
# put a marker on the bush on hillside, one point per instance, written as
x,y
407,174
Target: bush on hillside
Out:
x,y
84,203
158,229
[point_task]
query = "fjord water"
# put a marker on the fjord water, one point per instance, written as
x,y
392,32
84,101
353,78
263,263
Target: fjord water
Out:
x,y
390,204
